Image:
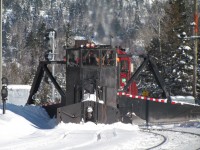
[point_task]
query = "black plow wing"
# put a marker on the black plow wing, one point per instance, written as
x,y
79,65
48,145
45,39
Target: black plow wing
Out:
x,y
154,110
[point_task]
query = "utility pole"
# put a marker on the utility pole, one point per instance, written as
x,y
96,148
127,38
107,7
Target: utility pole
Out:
x,y
52,42
1,46
195,49
159,32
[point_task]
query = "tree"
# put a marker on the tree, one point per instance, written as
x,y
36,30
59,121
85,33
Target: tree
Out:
x,y
100,31
170,50
116,27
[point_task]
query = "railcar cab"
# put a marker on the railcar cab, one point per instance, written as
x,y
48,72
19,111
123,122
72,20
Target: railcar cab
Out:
x,y
125,71
101,56
91,70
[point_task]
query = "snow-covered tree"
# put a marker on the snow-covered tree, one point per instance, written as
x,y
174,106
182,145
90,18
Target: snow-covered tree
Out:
x,y
134,24
174,58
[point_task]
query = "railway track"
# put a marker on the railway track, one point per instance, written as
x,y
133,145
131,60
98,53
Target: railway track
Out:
x,y
156,134
169,135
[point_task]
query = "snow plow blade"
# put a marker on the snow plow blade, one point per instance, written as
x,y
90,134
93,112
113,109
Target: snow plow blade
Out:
x,y
158,110
87,111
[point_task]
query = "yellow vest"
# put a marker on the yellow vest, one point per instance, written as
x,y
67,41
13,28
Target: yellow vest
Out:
x,y
145,93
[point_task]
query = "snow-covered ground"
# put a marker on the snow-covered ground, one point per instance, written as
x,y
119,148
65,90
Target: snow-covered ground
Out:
x,y
29,127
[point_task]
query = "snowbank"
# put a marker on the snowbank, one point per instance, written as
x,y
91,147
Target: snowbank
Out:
x,y
18,94
30,128
185,99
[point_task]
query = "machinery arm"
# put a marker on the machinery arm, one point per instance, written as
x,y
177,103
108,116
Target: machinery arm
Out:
x,y
135,75
38,79
159,79
36,83
153,68
49,74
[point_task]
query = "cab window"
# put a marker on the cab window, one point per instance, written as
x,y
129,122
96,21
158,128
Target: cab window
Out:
x,y
124,65
73,58
90,57
108,58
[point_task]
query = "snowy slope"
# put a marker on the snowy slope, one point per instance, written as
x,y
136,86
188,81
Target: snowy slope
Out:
x,y
29,127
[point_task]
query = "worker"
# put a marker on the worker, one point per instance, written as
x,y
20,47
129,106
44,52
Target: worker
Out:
x,y
91,59
145,93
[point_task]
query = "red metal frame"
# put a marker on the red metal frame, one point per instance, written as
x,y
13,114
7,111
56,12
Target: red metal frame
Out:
x,y
125,72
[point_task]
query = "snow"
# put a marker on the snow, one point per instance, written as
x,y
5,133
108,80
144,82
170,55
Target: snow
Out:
x,y
79,38
18,94
183,99
182,62
15,86
91,97
29,127
186,48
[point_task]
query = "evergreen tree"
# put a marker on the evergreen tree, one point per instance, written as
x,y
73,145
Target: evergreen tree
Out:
x,y
170,51
23,27
100,31
116,27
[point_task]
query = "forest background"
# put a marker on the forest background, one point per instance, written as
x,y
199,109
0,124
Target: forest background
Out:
x,y
140,26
